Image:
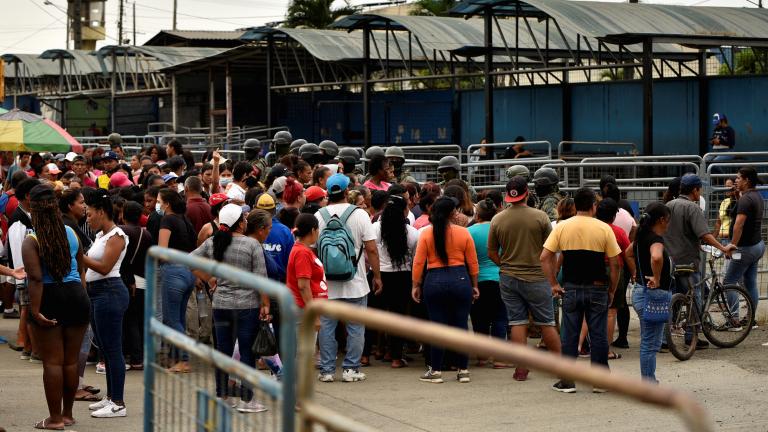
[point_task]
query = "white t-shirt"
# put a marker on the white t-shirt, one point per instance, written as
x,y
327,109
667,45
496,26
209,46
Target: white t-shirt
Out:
x,y
235,192
362,230
385,262
411,218
97,252
624,220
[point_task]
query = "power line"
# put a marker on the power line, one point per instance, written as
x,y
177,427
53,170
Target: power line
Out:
x,y
28,36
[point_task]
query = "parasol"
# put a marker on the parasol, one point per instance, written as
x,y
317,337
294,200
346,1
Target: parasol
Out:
x,y
23,131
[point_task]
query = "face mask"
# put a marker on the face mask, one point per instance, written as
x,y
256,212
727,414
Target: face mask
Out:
x,y
448,175
225,181
159,209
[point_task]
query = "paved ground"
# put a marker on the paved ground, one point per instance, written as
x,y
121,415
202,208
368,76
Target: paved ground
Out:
x,y
732,384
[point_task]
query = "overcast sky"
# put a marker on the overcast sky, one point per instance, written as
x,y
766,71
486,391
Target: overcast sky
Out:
x,y
31,26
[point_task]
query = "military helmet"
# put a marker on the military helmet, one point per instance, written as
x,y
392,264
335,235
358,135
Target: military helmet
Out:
x,y
373,151
349,155
282,137
309,150
545,177
518,170
252,144
449,162
330,148
295,145
394,152
115,138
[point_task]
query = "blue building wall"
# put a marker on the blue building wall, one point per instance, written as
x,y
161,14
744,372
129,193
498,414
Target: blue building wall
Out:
x,y
24,103
744,101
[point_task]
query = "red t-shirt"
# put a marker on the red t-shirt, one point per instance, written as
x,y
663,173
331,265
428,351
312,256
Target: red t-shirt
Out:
x,y
622,239
303,264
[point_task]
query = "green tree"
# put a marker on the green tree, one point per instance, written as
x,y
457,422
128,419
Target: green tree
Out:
x,y
316,14
750,61
433,7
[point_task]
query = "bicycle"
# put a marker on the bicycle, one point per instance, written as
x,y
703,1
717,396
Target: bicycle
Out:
x,y
725,318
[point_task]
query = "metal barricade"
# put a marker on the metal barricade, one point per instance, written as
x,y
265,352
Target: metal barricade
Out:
x,y
128,140
423,171
493,174
188,401
159,128
313,415
495,146
599,144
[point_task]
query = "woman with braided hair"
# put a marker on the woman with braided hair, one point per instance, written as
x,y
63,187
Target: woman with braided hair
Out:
x,y
59,304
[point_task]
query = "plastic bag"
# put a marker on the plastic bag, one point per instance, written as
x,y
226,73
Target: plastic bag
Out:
x,y
265,344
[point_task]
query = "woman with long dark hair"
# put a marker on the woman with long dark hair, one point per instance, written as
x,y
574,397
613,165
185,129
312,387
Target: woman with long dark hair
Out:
x,y
109,298
176,280
237,310
59,305
450,284
462,216
396,241
380,171
651,271
305,273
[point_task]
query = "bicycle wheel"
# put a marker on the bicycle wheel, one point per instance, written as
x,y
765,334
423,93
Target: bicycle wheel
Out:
x,y
728,319
681,335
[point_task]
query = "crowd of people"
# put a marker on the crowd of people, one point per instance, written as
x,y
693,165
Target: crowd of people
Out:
x,y
77,228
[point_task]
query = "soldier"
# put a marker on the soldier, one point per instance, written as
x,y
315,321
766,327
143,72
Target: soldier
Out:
x,y
311,154
524,172
349,158
115,141
252,149
449,168
330,150
281,141
546,181
397,159
296,145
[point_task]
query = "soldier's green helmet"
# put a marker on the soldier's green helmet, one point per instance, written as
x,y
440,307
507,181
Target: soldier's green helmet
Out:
x,y
330,148
448,162
545,177
519,170
394,152
373,151
349,155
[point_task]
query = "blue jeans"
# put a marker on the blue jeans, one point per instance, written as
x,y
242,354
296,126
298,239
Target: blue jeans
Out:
x,y
651,336
231,325
447,293
355,340
109,301
746,268
588,302
176,286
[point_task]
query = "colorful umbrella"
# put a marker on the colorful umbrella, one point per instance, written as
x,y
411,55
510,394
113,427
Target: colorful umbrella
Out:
x,y
23,131
3,110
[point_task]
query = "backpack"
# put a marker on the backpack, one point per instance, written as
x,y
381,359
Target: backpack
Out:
x,y
336,247
4,198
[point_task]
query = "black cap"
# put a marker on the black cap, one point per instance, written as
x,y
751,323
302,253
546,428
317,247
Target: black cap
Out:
x,y
279,170
41,192
517,190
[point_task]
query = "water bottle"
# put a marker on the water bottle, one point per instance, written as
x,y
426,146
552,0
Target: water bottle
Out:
x,y
202,304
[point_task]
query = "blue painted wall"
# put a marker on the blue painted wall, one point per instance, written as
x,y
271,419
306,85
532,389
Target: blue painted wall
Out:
x,y
744,101
533,112
607,112
675,117
24,103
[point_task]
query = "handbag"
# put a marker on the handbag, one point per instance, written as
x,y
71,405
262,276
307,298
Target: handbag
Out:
x,y
657,300
265,344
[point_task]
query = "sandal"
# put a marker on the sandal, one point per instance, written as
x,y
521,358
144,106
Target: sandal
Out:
x,y
613,355
43,424
88,397
69,424
136,367
92,389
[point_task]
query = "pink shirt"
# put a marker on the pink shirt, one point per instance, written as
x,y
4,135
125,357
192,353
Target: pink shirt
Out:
x,y
624,220
384,186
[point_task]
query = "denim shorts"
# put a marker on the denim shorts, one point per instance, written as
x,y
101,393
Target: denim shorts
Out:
x,y
521,297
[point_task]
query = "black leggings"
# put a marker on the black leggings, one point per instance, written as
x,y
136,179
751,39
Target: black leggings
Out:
x,y
397,299
133,328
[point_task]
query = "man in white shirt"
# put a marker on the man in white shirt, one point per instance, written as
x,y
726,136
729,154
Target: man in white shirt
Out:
x,y
354,291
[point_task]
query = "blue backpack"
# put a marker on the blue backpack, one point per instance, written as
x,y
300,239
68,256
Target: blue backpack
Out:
x,y
336,247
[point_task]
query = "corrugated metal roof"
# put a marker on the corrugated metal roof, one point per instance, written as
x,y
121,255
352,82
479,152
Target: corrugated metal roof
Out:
x,y
623,22
163,56
30,65
82,62
204,34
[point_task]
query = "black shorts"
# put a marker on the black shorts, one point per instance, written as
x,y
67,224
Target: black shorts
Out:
x,y
620,298
67,303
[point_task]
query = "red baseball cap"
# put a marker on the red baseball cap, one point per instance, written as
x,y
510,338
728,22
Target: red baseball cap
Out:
x,y
517,190
218,198
315,193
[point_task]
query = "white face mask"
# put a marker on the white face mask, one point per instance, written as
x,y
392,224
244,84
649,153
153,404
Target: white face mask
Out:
x,y
225,181
159,209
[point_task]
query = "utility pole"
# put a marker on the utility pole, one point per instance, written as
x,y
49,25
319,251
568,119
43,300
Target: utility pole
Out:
x,y
77,24
120,23
175,8
133,41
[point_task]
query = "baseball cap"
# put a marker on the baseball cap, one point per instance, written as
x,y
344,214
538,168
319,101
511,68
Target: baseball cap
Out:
x,y
60,157
279,170
42,192
337,183
217,199
691,180
71,156
119,179
230,214
53,168
170,176
265,202
517,190
718,117
110,155
315,193
278,186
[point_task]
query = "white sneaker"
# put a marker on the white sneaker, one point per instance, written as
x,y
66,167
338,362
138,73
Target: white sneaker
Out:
x,y
251,407
231,402
99,405
351,375
101,368
113,410
326,378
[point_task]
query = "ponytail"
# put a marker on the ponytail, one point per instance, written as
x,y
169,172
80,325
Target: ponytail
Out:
x,y
222,239
486,210
650,216
394,233
440,217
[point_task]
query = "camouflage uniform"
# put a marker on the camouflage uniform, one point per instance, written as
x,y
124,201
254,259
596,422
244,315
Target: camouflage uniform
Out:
x,y
262,166
549,204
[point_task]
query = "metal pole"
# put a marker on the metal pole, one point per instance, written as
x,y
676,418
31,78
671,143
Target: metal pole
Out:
x,y
134,24
648,96
488,87
269,82
703,104
174,103
77,17
366,89
113,90
120,23
228,81
211,104
175,9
